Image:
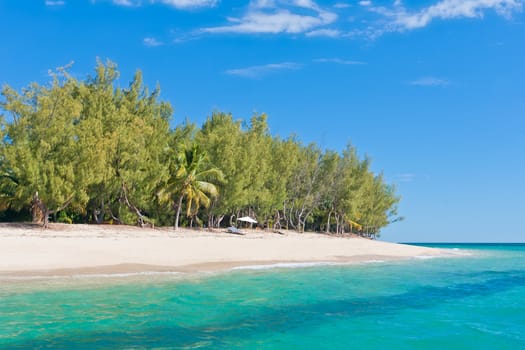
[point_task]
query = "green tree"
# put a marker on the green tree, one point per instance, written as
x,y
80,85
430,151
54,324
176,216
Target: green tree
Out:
x,y
304,195
127,131
192,180
328,188
283,162
350,179
221,138
42,163
380,205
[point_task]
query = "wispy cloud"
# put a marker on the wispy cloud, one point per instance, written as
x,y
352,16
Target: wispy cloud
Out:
x,y
188,4
343,19
179,4
278,16
254,72
399,18
55,3
430,81
327,33
128,3
338,61
342,5
406,177
152,42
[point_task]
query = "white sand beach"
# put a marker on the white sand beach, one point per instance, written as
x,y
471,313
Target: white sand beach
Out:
x,y
27,250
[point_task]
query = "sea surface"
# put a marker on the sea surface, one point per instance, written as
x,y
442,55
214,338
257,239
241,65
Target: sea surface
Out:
x,y
474,300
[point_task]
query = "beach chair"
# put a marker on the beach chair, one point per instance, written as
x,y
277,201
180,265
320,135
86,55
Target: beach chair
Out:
x,y
235,230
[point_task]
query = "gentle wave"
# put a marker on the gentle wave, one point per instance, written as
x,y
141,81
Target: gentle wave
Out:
x,y
88,276
286,265
446,253
425,257
458,252
128,274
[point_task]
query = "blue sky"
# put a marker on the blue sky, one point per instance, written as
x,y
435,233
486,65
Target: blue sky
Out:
x,y
433,91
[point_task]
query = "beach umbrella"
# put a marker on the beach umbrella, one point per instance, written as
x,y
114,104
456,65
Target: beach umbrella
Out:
x,y
247,219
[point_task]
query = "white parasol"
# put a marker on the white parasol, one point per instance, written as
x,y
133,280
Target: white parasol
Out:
x,y
247,219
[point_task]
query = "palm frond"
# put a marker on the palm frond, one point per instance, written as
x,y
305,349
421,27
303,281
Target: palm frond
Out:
x,y
208,188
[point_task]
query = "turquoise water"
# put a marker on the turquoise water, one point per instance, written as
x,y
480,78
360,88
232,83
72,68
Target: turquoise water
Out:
x,y
468,302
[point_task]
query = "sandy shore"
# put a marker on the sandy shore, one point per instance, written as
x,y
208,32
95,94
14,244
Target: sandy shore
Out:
x,y
27,250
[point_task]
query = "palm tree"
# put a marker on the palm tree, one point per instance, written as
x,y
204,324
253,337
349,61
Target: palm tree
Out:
x,y
191,182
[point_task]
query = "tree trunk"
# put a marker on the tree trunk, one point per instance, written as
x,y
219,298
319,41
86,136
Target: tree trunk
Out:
x,y
141,219
37,213
46,218
40,210
290,223
219,219
277,222
98,213
114,218
328,222
337,223
306,219
177,215
284,216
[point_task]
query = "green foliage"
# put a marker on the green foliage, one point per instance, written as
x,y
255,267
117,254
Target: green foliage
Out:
x,y
64,218
91,151
10,215
192,179
40,152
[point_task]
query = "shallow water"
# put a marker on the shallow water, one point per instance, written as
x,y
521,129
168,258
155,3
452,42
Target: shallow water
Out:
x,y
460,302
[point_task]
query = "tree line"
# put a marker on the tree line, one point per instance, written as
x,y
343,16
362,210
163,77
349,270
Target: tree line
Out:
x,y
90,151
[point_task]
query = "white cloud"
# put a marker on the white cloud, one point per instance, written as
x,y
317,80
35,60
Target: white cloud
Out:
x,y
338,61
408,177
152,42
279,22
342,5
402,19
187,4
278,16
430,81
126,2
258,71
312,18
55,3
329,33
179,4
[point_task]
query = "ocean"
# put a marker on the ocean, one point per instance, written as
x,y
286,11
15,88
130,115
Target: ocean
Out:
x,y
475,300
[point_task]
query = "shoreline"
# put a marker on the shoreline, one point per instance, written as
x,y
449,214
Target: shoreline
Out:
x,y
124,270
28,251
